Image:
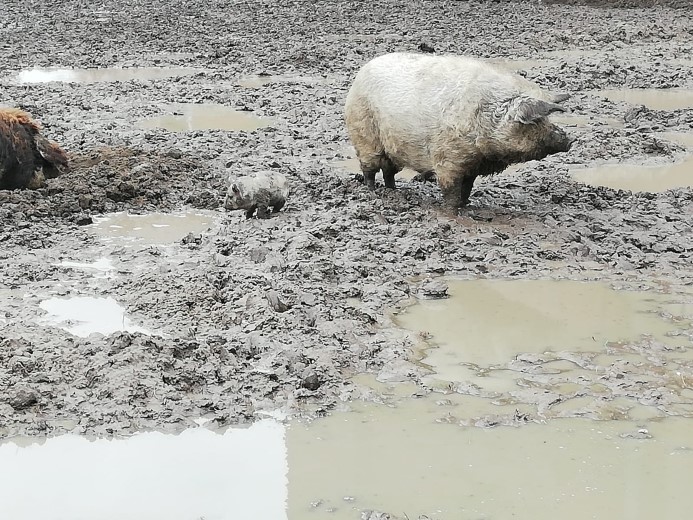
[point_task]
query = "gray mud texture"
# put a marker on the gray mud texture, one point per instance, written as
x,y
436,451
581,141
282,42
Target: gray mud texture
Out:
x,y
279,314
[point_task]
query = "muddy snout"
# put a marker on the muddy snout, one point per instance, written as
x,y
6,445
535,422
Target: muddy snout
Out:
x,y
560,141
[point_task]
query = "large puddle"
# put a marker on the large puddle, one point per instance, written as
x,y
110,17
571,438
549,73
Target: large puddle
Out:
x,y
485,322
101,75
85,315
401,459
150,476
152,228
190,117
656,99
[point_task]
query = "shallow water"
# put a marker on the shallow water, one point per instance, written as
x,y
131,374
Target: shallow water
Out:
x,y
585,121
656,99
257,81
403,459
150,476
190,117
638,177
85,315
399,459
491,321
152,228
101,75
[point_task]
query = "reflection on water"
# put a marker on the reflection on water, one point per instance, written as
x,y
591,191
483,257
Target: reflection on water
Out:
x,y
101,75
150,476
84,315
657,99
404,459
153,228
189,117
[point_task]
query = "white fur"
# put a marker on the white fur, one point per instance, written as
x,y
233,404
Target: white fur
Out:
x,y
436,113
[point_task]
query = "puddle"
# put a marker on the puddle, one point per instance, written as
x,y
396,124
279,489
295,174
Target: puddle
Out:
x,y
260,80
101,268
684,139
101,75
397,459
84,315
486,322
585,121
638,177
189,117
149,476
656,99
152,228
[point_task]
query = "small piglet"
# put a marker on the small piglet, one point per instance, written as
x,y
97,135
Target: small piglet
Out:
x,y
257,191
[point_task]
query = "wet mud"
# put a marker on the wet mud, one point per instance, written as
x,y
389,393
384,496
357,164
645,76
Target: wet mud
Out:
x,y
244,316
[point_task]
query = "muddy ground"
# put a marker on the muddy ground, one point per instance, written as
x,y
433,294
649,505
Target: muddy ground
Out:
x,y
279,314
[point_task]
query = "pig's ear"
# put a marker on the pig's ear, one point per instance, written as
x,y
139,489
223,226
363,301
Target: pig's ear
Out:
x,y
235,189
530,110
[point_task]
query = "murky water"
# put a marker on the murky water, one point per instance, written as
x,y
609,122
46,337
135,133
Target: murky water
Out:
x,y
190,117
150,476
657,99
153,228
491,321
257,81
402,459
85,315
684,139
399,459
638,177
101,75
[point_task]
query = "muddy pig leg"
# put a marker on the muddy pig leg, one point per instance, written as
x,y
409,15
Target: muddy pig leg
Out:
x,y
389,171
467,183
278,205
249,212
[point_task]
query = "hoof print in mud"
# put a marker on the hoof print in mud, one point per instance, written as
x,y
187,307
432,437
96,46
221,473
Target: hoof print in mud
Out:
x,y
259,192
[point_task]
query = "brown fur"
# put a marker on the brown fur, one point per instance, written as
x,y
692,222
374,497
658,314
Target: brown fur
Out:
x,y
24,152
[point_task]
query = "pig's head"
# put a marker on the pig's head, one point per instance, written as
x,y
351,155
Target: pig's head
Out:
x,y
53,158
235,198
524,132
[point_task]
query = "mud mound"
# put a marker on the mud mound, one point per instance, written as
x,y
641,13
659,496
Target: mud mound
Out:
x,y
117,179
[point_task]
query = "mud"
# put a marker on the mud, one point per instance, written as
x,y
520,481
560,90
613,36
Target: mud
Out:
x,y
281,313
